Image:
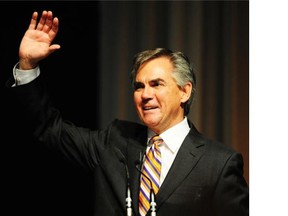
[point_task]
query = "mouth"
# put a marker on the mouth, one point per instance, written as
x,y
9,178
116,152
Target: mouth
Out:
x,y
149,108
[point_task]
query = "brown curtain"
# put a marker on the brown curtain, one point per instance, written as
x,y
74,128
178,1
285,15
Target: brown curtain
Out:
x,y
90,76
214,35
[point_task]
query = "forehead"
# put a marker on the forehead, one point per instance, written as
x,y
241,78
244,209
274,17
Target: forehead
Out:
x,y
154,68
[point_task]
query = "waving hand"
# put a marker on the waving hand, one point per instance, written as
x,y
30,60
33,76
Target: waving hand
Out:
x,y
37,41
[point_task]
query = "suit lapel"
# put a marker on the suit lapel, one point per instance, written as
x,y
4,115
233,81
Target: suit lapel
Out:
x,y
187,157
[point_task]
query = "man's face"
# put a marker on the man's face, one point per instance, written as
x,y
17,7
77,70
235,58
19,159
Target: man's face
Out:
x,y
157,97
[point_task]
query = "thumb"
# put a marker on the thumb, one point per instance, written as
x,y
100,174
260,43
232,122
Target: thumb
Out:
x,y
54,47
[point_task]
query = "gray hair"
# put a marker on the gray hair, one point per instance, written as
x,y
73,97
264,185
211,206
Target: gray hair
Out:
x,y
183,72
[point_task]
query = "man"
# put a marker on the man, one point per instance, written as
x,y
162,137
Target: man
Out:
x,y
181,173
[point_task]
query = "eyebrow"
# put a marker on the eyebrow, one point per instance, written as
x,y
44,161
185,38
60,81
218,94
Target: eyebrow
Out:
x,y
151,81
156,80
138,84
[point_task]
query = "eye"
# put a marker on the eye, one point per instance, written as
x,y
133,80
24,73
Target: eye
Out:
x,y
138,85
156,83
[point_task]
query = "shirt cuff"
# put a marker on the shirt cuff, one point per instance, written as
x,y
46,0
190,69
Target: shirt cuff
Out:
x,y
24,76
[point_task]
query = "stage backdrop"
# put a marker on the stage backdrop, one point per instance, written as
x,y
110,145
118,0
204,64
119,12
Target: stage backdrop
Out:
x,y
89,82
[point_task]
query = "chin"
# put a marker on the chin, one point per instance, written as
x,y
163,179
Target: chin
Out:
x,y
151,123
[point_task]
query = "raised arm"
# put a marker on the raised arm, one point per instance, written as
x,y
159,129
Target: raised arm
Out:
x,y
37,41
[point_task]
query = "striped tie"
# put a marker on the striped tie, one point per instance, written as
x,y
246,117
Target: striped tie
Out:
x,y
151,169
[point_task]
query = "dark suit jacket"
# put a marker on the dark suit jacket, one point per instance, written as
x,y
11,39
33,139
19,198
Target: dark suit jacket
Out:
x,y
206,178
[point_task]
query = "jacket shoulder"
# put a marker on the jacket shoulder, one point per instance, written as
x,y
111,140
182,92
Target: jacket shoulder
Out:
x,y
209,143
127,129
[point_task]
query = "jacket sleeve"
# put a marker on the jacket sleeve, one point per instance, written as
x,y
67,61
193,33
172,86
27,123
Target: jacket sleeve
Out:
x,y
79,145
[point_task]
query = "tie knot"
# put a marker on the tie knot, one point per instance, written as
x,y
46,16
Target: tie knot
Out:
x,y
157,140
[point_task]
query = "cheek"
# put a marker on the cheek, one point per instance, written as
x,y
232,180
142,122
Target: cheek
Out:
x,y
136,98
170,99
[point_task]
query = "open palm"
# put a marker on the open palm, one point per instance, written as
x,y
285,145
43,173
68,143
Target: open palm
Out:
x,y
37,41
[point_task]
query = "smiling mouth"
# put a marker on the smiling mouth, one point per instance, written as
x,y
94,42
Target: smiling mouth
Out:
x,y
149,108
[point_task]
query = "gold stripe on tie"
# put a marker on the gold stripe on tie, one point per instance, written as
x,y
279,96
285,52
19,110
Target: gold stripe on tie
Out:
x,y
152,170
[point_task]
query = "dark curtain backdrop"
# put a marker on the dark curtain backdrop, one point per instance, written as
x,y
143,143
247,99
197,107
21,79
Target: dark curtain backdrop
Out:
x,y
89,82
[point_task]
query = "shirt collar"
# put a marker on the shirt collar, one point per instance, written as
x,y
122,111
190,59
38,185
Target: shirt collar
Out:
x,y
174,136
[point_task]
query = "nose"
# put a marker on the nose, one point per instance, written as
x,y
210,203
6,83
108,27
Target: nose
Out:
x,y
147,93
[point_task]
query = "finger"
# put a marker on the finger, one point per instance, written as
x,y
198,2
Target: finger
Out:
x,y
48,22
42,21
54,29
33,21
54,47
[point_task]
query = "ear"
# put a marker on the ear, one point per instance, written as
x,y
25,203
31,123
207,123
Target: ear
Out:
x,y
186,92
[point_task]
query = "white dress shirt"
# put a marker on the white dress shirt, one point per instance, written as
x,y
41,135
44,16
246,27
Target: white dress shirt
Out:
x,y
24,76
173,138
